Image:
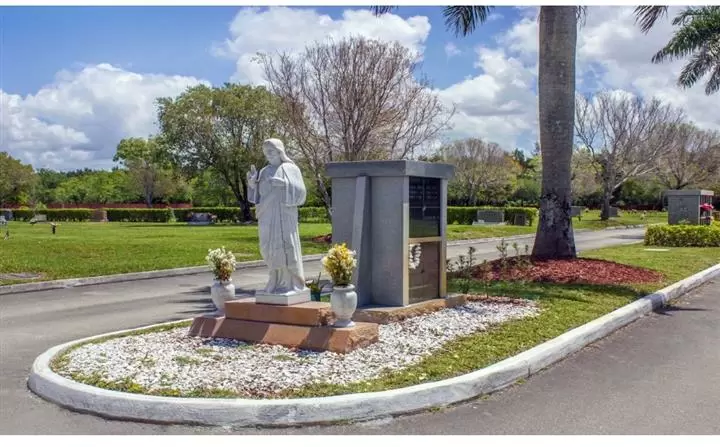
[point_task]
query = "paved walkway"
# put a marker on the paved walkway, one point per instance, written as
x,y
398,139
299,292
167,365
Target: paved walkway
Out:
x,y
32,322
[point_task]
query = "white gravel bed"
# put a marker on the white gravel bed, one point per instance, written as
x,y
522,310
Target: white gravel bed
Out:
x,y
173,360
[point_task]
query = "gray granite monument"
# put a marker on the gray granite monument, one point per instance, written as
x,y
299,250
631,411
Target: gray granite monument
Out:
x,y
394,214
490,217
684,205
277,191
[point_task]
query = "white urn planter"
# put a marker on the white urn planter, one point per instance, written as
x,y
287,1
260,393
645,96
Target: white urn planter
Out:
x,y
220,292
343,302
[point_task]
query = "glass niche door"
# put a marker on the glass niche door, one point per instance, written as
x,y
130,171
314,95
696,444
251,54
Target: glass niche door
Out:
x,y
425,241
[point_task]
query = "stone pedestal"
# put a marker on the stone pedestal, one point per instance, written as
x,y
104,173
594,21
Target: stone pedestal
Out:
x,y
282,299
303,326
684,205
99,215
381,209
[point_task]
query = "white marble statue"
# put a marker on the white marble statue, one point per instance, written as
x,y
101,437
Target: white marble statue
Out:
x,y
277,190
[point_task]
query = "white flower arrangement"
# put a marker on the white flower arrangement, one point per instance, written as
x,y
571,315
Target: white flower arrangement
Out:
x,y
222,262
414,252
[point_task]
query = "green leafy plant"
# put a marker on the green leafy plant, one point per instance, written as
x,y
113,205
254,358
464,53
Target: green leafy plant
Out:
x,y
485,276
502,247
462,269
314,284
684,235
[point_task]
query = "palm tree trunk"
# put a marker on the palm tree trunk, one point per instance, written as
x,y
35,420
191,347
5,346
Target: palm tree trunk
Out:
x,y
556,98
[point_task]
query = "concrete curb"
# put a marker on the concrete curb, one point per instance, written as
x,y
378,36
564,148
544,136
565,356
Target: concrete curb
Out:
x,y
283,412
122,277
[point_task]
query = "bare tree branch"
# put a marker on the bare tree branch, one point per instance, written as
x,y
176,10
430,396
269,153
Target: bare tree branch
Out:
x,y
354,99
627,136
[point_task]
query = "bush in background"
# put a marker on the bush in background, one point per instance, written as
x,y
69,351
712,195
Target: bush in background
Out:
x,y
684,235
466,215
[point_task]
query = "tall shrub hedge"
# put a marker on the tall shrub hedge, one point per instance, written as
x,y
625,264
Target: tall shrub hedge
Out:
x,y
684,235
139,214
55,215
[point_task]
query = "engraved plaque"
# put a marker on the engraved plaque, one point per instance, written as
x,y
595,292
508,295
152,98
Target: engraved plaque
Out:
x,y
425,279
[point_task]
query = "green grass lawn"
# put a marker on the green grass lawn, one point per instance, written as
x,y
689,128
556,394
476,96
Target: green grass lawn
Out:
x,y
94,249
590,221
564,307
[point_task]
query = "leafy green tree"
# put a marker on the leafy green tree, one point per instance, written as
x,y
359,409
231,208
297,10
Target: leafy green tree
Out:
x,y
209,189
149,170
48,181
528,164
527,191
222,128
16,180
483,171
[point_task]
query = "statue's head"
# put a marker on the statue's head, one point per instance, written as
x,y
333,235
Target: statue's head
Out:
x,y
274,151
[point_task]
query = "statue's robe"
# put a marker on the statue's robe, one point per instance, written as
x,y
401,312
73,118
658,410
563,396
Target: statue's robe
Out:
x,y
277,214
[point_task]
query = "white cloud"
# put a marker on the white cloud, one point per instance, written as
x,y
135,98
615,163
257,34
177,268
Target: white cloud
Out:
x,y
281,29
612,54
78,120
497,105
451,50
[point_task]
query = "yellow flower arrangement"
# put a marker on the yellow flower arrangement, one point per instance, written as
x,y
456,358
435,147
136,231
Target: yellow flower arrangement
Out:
x,y
339,263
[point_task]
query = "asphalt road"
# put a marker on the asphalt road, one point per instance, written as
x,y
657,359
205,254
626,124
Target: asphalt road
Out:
x,y
589,393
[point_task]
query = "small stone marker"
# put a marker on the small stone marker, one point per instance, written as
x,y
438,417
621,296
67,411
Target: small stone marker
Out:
x,y
38,218
576,211
99,216
520,220
200,219
613,211
490,217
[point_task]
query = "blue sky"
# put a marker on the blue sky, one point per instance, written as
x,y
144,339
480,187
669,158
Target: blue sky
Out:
x,y
174,40
74,81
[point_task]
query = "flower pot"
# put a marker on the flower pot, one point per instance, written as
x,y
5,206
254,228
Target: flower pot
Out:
x,y
343,302
220,292
315,295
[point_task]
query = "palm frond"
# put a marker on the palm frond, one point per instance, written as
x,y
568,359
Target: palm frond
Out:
x,y
581,15
713,84
700,31
464,19
700,63
380,10
648,15
687,15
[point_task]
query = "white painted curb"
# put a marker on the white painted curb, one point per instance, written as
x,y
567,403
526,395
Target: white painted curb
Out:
x,y
122,277
282,412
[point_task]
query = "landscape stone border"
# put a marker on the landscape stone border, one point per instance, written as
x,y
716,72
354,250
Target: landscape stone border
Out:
x,y
351,407
166,273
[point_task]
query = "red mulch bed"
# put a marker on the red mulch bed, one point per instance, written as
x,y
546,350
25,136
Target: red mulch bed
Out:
x,y
323,239
570,271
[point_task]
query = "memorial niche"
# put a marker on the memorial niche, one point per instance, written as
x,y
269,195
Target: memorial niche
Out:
x,y
424,201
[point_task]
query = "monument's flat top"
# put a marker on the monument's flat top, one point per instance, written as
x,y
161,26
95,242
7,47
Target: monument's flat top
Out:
x,y
689,192
390,168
